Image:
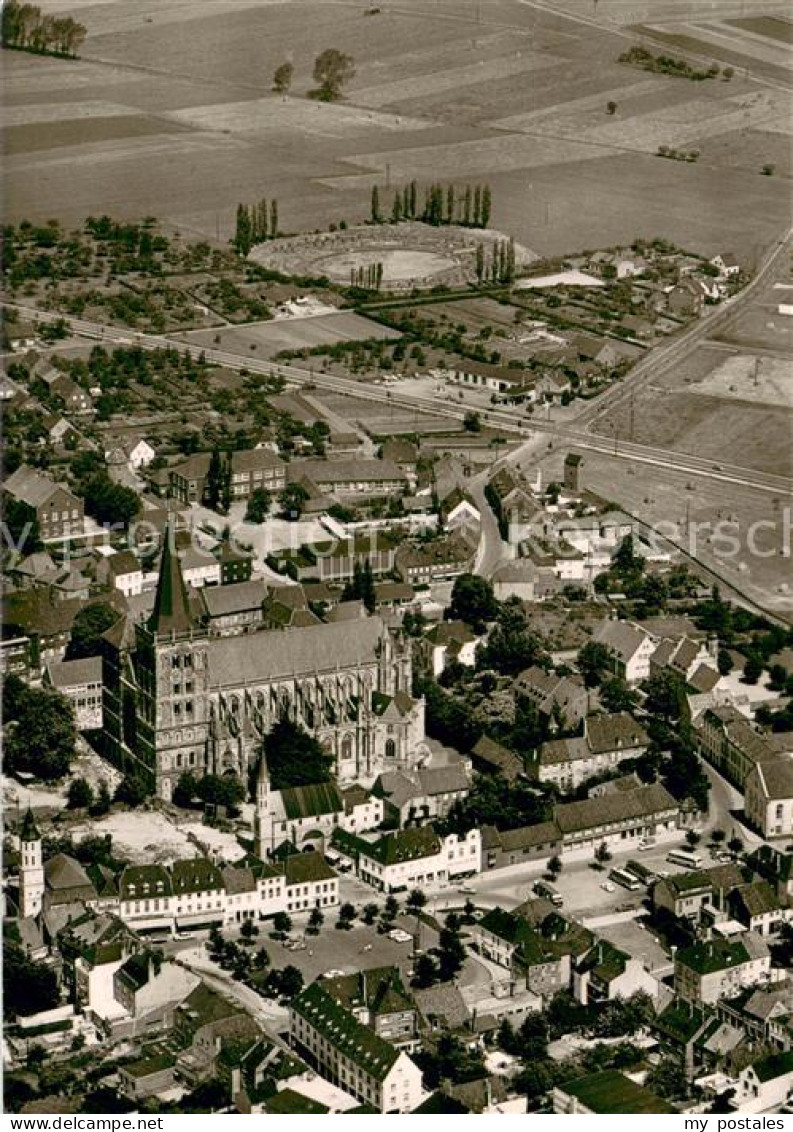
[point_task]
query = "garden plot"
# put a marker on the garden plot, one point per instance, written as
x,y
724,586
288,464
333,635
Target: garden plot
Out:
x,y
748,377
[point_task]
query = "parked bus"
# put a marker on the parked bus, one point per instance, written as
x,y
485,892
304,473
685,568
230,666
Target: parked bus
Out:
x,y
626,879
640,871
684,857
542,888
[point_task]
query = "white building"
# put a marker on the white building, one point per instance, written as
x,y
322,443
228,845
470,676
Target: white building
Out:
x,y
631,646
351,1055
80,681
419,858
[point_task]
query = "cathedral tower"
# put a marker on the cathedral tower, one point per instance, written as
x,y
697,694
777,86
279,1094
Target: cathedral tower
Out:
x,y
262,817
172,670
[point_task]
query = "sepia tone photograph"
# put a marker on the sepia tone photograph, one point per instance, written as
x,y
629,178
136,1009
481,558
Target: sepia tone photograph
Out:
x,y
396,569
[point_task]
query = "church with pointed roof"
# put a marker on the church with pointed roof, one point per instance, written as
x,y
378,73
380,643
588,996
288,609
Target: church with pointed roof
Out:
x,y
180,698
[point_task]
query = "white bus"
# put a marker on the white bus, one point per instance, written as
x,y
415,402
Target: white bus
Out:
x,y
625,879
684,857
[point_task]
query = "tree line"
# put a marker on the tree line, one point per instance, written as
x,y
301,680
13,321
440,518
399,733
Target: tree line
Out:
x,y
500,266
470,207
25,28
255,224
367,278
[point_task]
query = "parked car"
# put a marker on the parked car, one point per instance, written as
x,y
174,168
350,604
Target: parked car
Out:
x,y
607,886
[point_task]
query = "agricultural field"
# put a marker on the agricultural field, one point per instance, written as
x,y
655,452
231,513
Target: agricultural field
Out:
x,y
739,533
270,338
503,91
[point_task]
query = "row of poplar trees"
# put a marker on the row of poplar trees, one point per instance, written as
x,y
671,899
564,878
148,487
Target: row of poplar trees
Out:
x,y
469,206
255,224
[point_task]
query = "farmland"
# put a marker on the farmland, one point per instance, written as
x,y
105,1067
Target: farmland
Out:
x,y
503,91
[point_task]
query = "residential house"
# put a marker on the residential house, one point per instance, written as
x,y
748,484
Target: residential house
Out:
x,y
726,264
310,882
57,510
148,1076
624,816
687,895
148,988
542,953
349,1054
708,971
685,298
496,379
768,796
421,795
609,1093
524,578
757,907
80,681
441,560
458,511
250,470
418,857
775,866
233,609
684,657
728,741
607,740
199,567
766,1085
564,700
203,1023
122,571
377,997
236,565
61,387
763,1014
502,848
631,646
447,642
605,972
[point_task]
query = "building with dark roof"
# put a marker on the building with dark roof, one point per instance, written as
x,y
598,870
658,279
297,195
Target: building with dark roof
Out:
x,y
626,814
350,1054
768,795
417,857
56,509
249,471
714,969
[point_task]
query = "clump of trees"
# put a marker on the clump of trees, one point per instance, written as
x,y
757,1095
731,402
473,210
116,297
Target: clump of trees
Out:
x,y
255,224
25,28
282,77
669,65
333,69
39,729
294,758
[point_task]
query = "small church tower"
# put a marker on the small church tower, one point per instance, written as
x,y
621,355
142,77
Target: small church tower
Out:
x,y
262,817
31,869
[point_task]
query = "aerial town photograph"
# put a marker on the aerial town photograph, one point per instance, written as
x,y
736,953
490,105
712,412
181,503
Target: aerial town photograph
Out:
x,y
397,569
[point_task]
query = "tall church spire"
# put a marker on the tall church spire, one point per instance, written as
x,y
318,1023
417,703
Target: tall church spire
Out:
x,y
171,613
